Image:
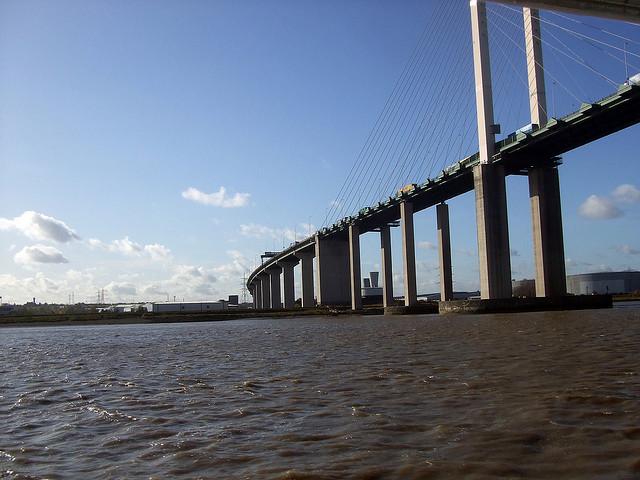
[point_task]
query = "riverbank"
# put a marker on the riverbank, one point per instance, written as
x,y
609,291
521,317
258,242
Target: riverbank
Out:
x,y
134,318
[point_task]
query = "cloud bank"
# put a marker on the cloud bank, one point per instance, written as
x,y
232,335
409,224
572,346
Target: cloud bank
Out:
x,y
626,193
41,227
217,199
39,254
254,230
599,208
128,247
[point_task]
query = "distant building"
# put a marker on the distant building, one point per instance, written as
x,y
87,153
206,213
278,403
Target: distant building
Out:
x,y
603,283
189,307
124,308
371,288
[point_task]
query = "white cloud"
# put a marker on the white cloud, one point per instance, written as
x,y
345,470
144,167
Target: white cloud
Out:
x,y
627,250
128,247
194,280
217,199
232,271
290,234
121,290
39,254
626,193
125,246
27,288
599,208
427,245
38,226
95,243
157,251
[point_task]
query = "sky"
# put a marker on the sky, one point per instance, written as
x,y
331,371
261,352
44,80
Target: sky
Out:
x,y
154,149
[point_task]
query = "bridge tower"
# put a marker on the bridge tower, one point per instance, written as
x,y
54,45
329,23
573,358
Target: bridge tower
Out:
x,y
489,178
544,182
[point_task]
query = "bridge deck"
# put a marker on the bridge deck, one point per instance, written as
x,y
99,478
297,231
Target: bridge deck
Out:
x,y
517,153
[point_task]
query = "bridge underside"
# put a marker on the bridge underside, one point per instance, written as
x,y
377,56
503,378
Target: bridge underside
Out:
x,y
626,10
518,154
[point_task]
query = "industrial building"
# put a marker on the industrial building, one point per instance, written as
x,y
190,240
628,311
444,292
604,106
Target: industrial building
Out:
x,y
371,288
189,307
603,283
196,307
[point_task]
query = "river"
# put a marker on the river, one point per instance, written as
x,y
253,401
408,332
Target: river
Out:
x,y
535,395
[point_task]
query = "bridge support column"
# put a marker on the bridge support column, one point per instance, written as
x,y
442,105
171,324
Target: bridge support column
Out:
x,y
489,185
257,294
274,279
408,254
544,183
493,231
266,291
288,282
444,251
306,267
332,274
387,270
548,242
354,264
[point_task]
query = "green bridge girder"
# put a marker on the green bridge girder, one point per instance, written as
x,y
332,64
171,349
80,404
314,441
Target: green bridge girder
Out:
x,y
518,152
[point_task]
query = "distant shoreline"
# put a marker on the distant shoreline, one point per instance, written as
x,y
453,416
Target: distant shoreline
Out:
x,y
111,318
147,318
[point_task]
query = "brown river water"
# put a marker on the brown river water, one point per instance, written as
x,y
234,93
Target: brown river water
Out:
x,y
536,395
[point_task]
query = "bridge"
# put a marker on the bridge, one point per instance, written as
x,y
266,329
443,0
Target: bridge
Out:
x,y
536,153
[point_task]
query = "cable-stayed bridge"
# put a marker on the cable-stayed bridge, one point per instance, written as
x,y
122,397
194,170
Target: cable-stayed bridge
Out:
x,y
414,137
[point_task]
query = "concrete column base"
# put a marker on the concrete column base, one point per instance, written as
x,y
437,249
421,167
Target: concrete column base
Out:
x,y
493,231
534,304
288,283
276,296
306,265
548,242
444,252
354,267
387,269
408,254
417,309
332,275
265,281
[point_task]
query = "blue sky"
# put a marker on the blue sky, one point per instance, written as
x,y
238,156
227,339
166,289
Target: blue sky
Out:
x,y
120,123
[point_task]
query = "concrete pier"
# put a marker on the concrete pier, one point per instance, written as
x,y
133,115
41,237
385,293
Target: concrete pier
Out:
x,y
408,254
532,304
548,241
306,270
257,294
444,252
288,284
274,279
493,231
489,179
387,269
544,182
254,296
332,274
265,281
354,267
